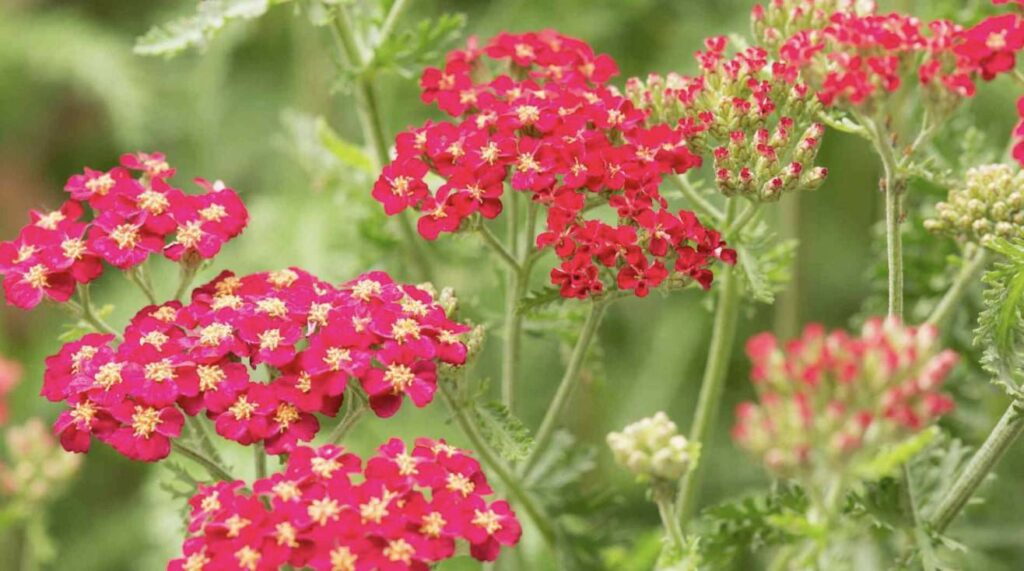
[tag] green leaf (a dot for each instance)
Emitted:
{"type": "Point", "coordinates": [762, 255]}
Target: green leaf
{"type": "Point", "coordinates": [196, 30]}
{"type": "Point", "coordinates": [536, 299]}
{"type": "Point", "coordinates": [349, 154]}
{"type": "Point", "coordinates": [1000, 326]}
{"type": "Point", "coordinates": [406, 52]}
{"type": "Point", "coordinates": [505, 433]}
{"type": "Point", "coordinates": [749, 524]}
{"type": "Point", "coordinates": [890, 458]}
{"type": "Point", "coordinates": [764, 263]}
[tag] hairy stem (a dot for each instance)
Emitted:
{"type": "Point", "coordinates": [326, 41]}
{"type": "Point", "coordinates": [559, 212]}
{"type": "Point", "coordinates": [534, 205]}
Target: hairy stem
{"type": "Point", "coordinates": [570, 379]}
{"type": "Point", "coordinates": [974, 262]}
{"type": "Point", "coordinates": [787, 305]}
{"type": "Point", "coordinates": [187, 275]}
{"type": "Point", "coordinates": [368, 111]}
{"type": "Point", "coordinates": [352, 416]}
{"type": "Point", "coordinates": [260, 460]}
{"type": "Point", "coordinates": [1005, 433]}
{"type": "Point", "coordinates": [699, 203]}
{"type": "Point", "coordinates": [496, 464]}
{"type": "Point", "coordinates": [89, 312]}
{"type": "Point", "coordinates": [212, 467]}
{"type": "Point", "coordinates": [662, 494]}
{"type": "Point", "coordinates": [498, 248]}
{"type": "Point", "coordinates": [723, 336]}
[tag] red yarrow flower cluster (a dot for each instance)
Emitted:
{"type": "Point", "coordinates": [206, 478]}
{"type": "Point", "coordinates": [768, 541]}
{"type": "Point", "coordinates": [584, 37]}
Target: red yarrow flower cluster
{"type": "Point", "coordinates": [551, 128]}
{"type": "Point", "coordinates": [135, 213]}
{"type": "Point", "coordinates": [310, 336]}
{"type": "Point", "coordinates": [406, 509]}
{"type": "Point", "coordinates": [829, 399]}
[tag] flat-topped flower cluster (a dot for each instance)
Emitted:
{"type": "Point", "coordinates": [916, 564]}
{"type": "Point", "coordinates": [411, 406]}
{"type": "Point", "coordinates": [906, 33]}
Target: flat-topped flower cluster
{"type": "Point", "coordinates": [135, 213]}
{"type": "Point", "coordinates": [310, 336]}
{"type": "Point", "coordinates": [406, 509]}
{"type": "Point", "coordinates": [534, 111]}
{"type": "Point", "coordinates": [827, 399]}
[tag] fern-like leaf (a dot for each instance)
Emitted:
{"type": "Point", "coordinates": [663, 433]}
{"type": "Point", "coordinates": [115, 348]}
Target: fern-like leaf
{"type": "Point", "coordinates": [193, 31]}
{"type": "Point", "coordinates": [1000, 327]}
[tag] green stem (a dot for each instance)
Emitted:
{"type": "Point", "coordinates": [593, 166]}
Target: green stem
{"type": "Point", "coordinates": [213, 468]}
{"type": "Point", "coordinates": [89, 313]}
{"type": "Point", "coordinates": [260, 461]}
{"type": "Point", "coordinates": [354, 414]}
{"type": "Point", "coordinates": [669, 519]}
{"type": "Point", "coordinates": [188, 274]}
{"type": "Point", "coordinates": [787, 305]}
{"type": "Point", "coordinates": [570, 379]}
{"type": "Point", "coordinates": [982, 463]}
{"type": "Point", "coordinates": [368, 111]}
{"type": "Point", "coordinates": [700, 204]}
{"type": "Point", "coordinates": [138, 276]}
{"type": "Point", "coordinates": [742, 220]}
{"type": "Point", "coordinates": [893, 188]}
{"type": "Point", "coordinates": [723, 336]}
{"type": "Point", "coordinates": [498, 248]}
{"type": "Point", "coordinates": [496, 464]}
{"type": "Point", "coordinates": [391, 20]}
{"type": "Point", "coordinates": [974, 263]}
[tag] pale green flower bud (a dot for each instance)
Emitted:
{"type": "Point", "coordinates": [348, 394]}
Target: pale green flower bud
{"type": "Point", "coordinates": [652, 448]}
{"type": "Point", "coordinates": [990, 202]}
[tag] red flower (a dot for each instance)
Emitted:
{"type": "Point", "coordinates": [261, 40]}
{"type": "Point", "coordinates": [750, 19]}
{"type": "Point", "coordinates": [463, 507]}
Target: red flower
{"type": "Point", "coordinates": [146, 431]}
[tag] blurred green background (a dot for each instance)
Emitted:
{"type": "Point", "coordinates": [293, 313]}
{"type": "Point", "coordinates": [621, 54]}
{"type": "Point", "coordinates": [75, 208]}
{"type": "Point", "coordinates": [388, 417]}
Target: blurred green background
{"type": "Point", "coordinates": [72, 94]}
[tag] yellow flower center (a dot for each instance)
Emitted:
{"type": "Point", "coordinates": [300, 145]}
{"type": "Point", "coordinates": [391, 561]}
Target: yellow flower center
{"type": "Point", "coordinates": [285, 415]}
{"type": "Point", "coordinates": [305, 382]}
{"type": "Point", "coordinates": [488, 520]}
{"type": "Point", "coordinates": [400, 185]}
{"type": "Point", "coordinates": [399, 550]}
{"type": "Point", "coordinates": [282, 278]}
{"type": "Point", "coordinates": [25, 252]}
{"type": "Point", "coordinates": [84, 412]}
{"type": "Point", "coordinates": [365, 289]}
{"type": "Point", "coordinates": [100, 185]}
{"type": "Point", "coordinates": [525, 163]}
{"type": "Point", "coordinates": [84, 354]}
{"type": "Point", "coordinates": [214, 333]}
{"type": "Point", "coordinates": [286, 534]}
{"type": "Point", "coordinates": [213, 213]}
{"type": "Point", "coordinates": [334, 357]}
{"type": "Point", "coordinates": [342, 559]}
{"type": "Point", "coordinates": [242, 409]}
{"type": "Point", "coordinates": [270, 339]}
{"type": "Point", "coordinates": [145, 419]}
{"type": "Point", "coordinates": [210, 377]}
{"type": "Point", "coordinates": [324, 467]}
{"type": "Point", "coordinates": [433, 524]}
{"type": "Point", "coordinates": [399, 376]}
{"type": "Point", "coordinates": [461, 484]}
{"type": "Point", "coordinates": [109, 375]}
{"type": "Point", "coordinates": [287, 491]}
{"type": "Point", "coordinates": [272, 306]}
{"type": "Point", "coordinates": [190, 234]}
{"type": "Point", "coordinates": [126, 236]}
{"type": "Point", "coordinates": [228, 285]}
{"type": "Point", "coordinates": [154, 202]}
{"type": "Point", "coordinates": [248, 558]}
{"type": "Point", "coordinates": [154, 338]}
{"type": "Point", "coordinates": [528, 114]}
{"type": "Point", "coordinates": [166, 314]}
{"type": "Point", "coordinates": [406, 464]}
{"type": "Point", "coordinates": [235, 525]}
{"type": "Point", "coordinates": [36, 276]}
{"type": "Point", "coordinates": [160, 371]}
{"type": "Point", "coordinates": [374, 510]}
{"type": "Point", "coordinates": [323, 510]}
{"type": "Point", "coordinates": [50, 220]}
{"type": "Point", "coordinates": [405, 327]}
{"type": "Point", "coordinates": [73, 248]}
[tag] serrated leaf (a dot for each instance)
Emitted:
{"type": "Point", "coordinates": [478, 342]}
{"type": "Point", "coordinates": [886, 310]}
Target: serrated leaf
{"type": "Point", "coordinates": [406, 52]}
{"type": "Point", "coordinates": [764, 263]}
{"type": "Point", "coordinates": [887, 461]}
{"type": "Point", "coordinates": [749, 523]}
{"type": "Point", "coordinates": [506, 433]}
{"type": "Point", "coordinates": [349, 154]}
{"type": "Point", "coordinates": [536, 299]}
{"type": "Point", "coordinates": [196, 30]}
{"type": "Point", "coordinates": [1000, 326]}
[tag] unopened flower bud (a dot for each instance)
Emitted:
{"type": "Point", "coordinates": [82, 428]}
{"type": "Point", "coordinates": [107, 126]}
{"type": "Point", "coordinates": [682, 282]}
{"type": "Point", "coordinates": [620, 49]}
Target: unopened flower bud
{"type": "Point", "coordinates": [652, 448]}
{"type": "Point", "coordinates": [989, 203]}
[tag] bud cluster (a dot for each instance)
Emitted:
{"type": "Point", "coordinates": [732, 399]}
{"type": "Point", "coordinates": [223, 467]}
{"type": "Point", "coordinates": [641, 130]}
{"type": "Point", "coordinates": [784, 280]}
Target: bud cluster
{"type": "Point", "coordinates": [989, 204]}
{"type": "Point", "coordinates": [829, 400]}
{"type": "Point", "coordinates": [10, 375]}
{"type": "Point", "coordinates": [652, 449]}
{"type": "Point", "coordinates": [754, 115]}
{"type": "Point", "coordinates": [36, 467]}
{"type": "Point", "coordinates": [777, 20]}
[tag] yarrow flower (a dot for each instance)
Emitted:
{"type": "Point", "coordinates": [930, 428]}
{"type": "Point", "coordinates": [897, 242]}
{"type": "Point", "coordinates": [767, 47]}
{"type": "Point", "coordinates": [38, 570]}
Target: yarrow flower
{"type": "Point", "coordinates": [652, 449]}
{"type": "Point", "coordinates": [755, 116]}
{"type": "Point", "coordinates": [35, 468]}
{"type": "Point", "coordinates": [312, 337]}
{"type": "Point", "coordinates": [135, 213]}
{"type": "Point", "coordinates": [10, 375]}
{"type": "Point", "coordinates": [827, 401]}
{"type": "Point", "coordinates": [405, 509]}
{"type": "Point", "coordinates": [990, 204]}
{"type": "Point", "coordinates": [551, 128]}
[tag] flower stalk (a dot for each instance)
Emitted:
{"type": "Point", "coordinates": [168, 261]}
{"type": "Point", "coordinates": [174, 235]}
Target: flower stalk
{"type": "Point", "coordinates": [1005, 433]}
{"type": "Point", "coordinates": [975, 261]}
{"type": "Point", "coordinates": [566, 387]}
{"type": "Point", "coordinates": [212, 467]}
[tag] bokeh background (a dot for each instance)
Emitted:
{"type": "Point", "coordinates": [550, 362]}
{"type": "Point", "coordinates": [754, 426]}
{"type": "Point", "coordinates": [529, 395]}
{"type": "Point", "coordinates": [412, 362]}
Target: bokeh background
{"type": "Point", "coordinates": [243, 110]}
